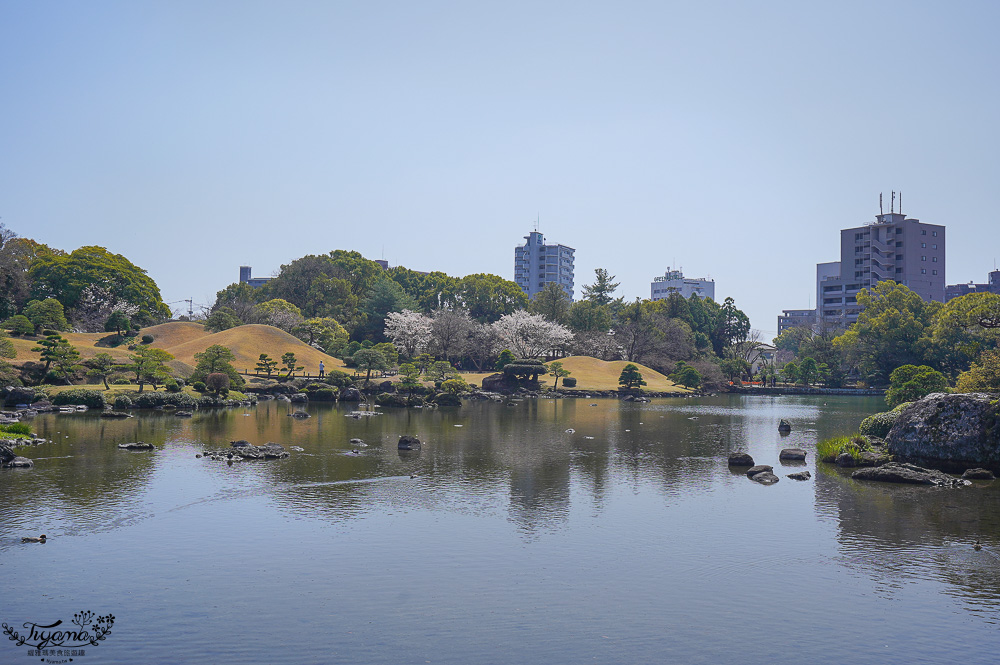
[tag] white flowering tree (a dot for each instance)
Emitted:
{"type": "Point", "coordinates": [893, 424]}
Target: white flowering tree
{"type": "Point", "coordinates": [409, 331]}
{"type": "Point", "coordinates": [530, 335]}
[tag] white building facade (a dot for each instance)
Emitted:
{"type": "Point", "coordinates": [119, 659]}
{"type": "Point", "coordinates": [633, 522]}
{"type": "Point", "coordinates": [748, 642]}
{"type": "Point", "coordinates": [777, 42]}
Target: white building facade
{"type": "Point", "coordinates": [673, 281]}
{"type": "Point", "coordinates": [536, 264]}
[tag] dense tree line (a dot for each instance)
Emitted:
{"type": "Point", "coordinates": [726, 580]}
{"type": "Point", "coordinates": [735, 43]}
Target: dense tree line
{"type": "Point", "coordinates": [934, 343]}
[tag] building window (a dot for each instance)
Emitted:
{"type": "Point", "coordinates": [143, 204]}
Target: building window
{"type": "Point", "coordinates": [933, 272]}
{"type": "Point", "coordinates": [934, 259]}
{"type": "Point", "coordinates": [923, 271]}
{"type": "Point", "coordinates": [934, 233]}
{"type": "Point", "coordinates": [923, 232]}
{"type": "Point", "coordinates": [923, 258]}
{"type": "Point", "coordinates": [858, 274]}
{"type": "Point", "coordinates": [899, 244]}
{"type": "Point", "coordinates": [923, 244]}
{"type": "Point", "coordinates": [899, 270]}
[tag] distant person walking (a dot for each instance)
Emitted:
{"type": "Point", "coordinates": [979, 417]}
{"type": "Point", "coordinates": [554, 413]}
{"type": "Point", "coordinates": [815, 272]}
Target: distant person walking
{"type": "Point", "coordinates": [322, 369]}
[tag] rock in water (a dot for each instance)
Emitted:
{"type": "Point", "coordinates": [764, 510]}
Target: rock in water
{"type": "Point", "coordinates": [894, 472]}
{"type": "Point", "coordinates": [978, 474]}
{"type": "Point", "coordinates": [800, 475]}
{"type": "Point", "coordinates": [407, 442]}
{"type": "Point", "coordinates": [949, 432]}
{"type": "Point", "coordinates": [138, 445]}
{"type": "Point", "coordinates": [792, 454]}
{"type": "Point", "coordinates": [19, 463]}
{"type": "Point", "coordinates": [760, 468]}
{"type": "Point", "coordinates": [784, 426]}
{"type": "Point", "coordinates": [764, 478]}
{"type": "Point", "coordinates": [740, 459]}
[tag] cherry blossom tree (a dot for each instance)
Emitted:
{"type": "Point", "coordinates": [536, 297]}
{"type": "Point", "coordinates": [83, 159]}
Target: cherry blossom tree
{"type": "Point", "coordinates": [530, 335]}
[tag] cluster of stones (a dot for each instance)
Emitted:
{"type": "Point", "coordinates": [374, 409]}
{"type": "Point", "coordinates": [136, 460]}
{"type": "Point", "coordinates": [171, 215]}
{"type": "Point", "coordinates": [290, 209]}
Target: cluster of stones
{"type": "Point", "coordinates": [244, 450]}
{"type": "Point", "coordinates": [764, 473]}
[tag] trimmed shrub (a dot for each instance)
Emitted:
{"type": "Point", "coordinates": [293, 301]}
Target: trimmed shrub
{"type": "Point", "coordinates": [91, 398]}
{"type": "Point", "coordinates": [198, 386]}
{"type": "Point", "coordinates": [19, 324]}
{"type": "Point", "coordinates": [338, 379]}
{"type": "Point", "coordinates": [123, 403]}
{"type": "Point", "coordinates": [879, 424]}
{"type": "Point", "coordinates": [569, 382]}
{"type": "Point", "coordinates": [147, 339]}
{"type": "Point", "coordinates": [152, 400]}
{"type": "Point", "coordinates": [172, 386]}
{"type": "Point", "coordinates": [324, 395]}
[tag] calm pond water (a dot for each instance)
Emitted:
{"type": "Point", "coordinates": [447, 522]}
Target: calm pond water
{"type": "Point", "coordinates": [626, 541]}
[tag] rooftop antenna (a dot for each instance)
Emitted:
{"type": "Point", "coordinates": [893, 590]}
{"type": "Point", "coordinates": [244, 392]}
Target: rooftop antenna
{"type": "Point", "coordinates": [880, 204]}
{"type": "Point", "coordinates": [892, 206]}
{"type": "Point", "coordinates": [901, 203]}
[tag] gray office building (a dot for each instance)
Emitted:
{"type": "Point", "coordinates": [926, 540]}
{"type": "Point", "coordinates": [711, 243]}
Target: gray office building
{"type": "Point", "coordinates": [536, 264]}
{"type": "Point", "coordinates": [893, 247]}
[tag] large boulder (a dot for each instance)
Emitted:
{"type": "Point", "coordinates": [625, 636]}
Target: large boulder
{"type": "Point", "coordinates": [350, 394]}
{"type": "Point", "coordinates": [740, 459]}
{"type": "Point", "coordinates": [794, 454]}
{"type": "Point", "coordinates": [495, 383]}
{"type": "Point", "coordinates": [949, 432]}
{"type": "Point", "coordinates": [6, 453]}
{"type": "Point", "coordinates": [894, 472]}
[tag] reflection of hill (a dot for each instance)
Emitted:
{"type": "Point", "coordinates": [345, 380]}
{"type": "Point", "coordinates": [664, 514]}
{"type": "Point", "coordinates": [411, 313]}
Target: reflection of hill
{"type": "Point", "coordinates": [899, 531]}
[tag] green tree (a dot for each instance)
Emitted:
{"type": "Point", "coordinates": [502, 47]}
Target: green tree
{"type": "Point", "coordinates": [790, 372]}
{"type": "Point", "coordinates": [19, 324]}
{"type": "Point", "coordinates": [455, 385]}
{"type": "Point", "coordinates": [809, 371]}
{"type": "Point", "coordinates": [552, 302]}
{"type": "Point", "coordinates": [51, 348]}
{"type": "Point", "coordinates": [46, 314]}
{"type": "Point", "coordinates": [101, 366]}
{"type": "Point", "coordinates": [16, 255]}
{"type": "Point", "coordinates": [370, 360]}
{"type": "Point", "coordinates": [386, 296]}
{"type": "Point", "coordinates": [91, 276]}
{"type": "Point", "coordinates": [223, 318]}
{"type": "Point", "coordinates": [685, 375]}
{"type": "Point", "coordinates": [118, 323]}
{"type": "Point", "coordinates": [488, 297]}
{"type": "Point", "coordinates": [601, 291]}
{"type": "Point", "coordinates": [239, 298]}
{"type": "Point", "coordinates": [506, 358]}
{"type": "Point", "coordinates": [279, 313]}
{"type": "Point", "coordinates": [410, 381]}
{"type": "Point", "coordinates": [733, 368]}
{"type": "Point", "coordinates": [289, 361]}
{"type": "Point", "coordinates": [630, 377]}
{"type": "Point", "coordinates": [266, 364]}
{"type": "Point", "coordinates": [557, 371]}
{"type": "Point", "coordinates": [887, 332]}
{"type": "Point", "coordinates": [389, 352]}
{"type": "Point", "coordinates": [217, 358]}
{"type": "Point", "coordinates": [150, 366]}
{"type": "Point", "coordinates": [909, 383]}
{"type": "Point", "coordinates": [218, 383]}
{"type": "Point", "coordinates": [441, 370]}
{"type": "Point", "coordinates": [982, 376]}
{"type": "Point", "coordinates": [961, 330]}
{"type": "Point", "coordinates": [587, 316]}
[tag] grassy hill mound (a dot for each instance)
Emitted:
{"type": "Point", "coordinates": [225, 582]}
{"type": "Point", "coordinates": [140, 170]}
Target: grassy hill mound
{"type": "Point", "coordinates": [594, 374]}
{"type": "Point", "coordinates": [248, 342]}
{"type": "Point", "coordinates": [183, 339]}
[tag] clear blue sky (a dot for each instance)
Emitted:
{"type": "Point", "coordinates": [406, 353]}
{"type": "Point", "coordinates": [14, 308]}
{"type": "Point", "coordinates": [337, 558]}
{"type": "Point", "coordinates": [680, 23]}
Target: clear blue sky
{"type": "Point", "coordinates": [733, 139]}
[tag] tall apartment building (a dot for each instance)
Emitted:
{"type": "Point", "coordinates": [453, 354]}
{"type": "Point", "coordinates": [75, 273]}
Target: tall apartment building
{"type": "Point", "coordinates": [893, 247]}
{"type": "Point", "coordinates": [673, 281]}
{"type": "Point", "coordinates": [536, 264]}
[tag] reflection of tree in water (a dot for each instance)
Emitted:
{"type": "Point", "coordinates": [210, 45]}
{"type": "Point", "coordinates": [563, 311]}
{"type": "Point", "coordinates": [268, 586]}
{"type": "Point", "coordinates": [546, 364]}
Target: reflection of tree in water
{"type": "Point", "coordinates": [81, 481]}
{"type": "Point", "coordinates": [898, 533]}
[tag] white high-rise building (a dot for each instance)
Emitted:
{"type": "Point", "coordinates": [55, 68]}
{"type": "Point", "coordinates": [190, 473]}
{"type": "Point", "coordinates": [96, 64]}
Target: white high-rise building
{"type": "Point", "coordinates": [536, 264]}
